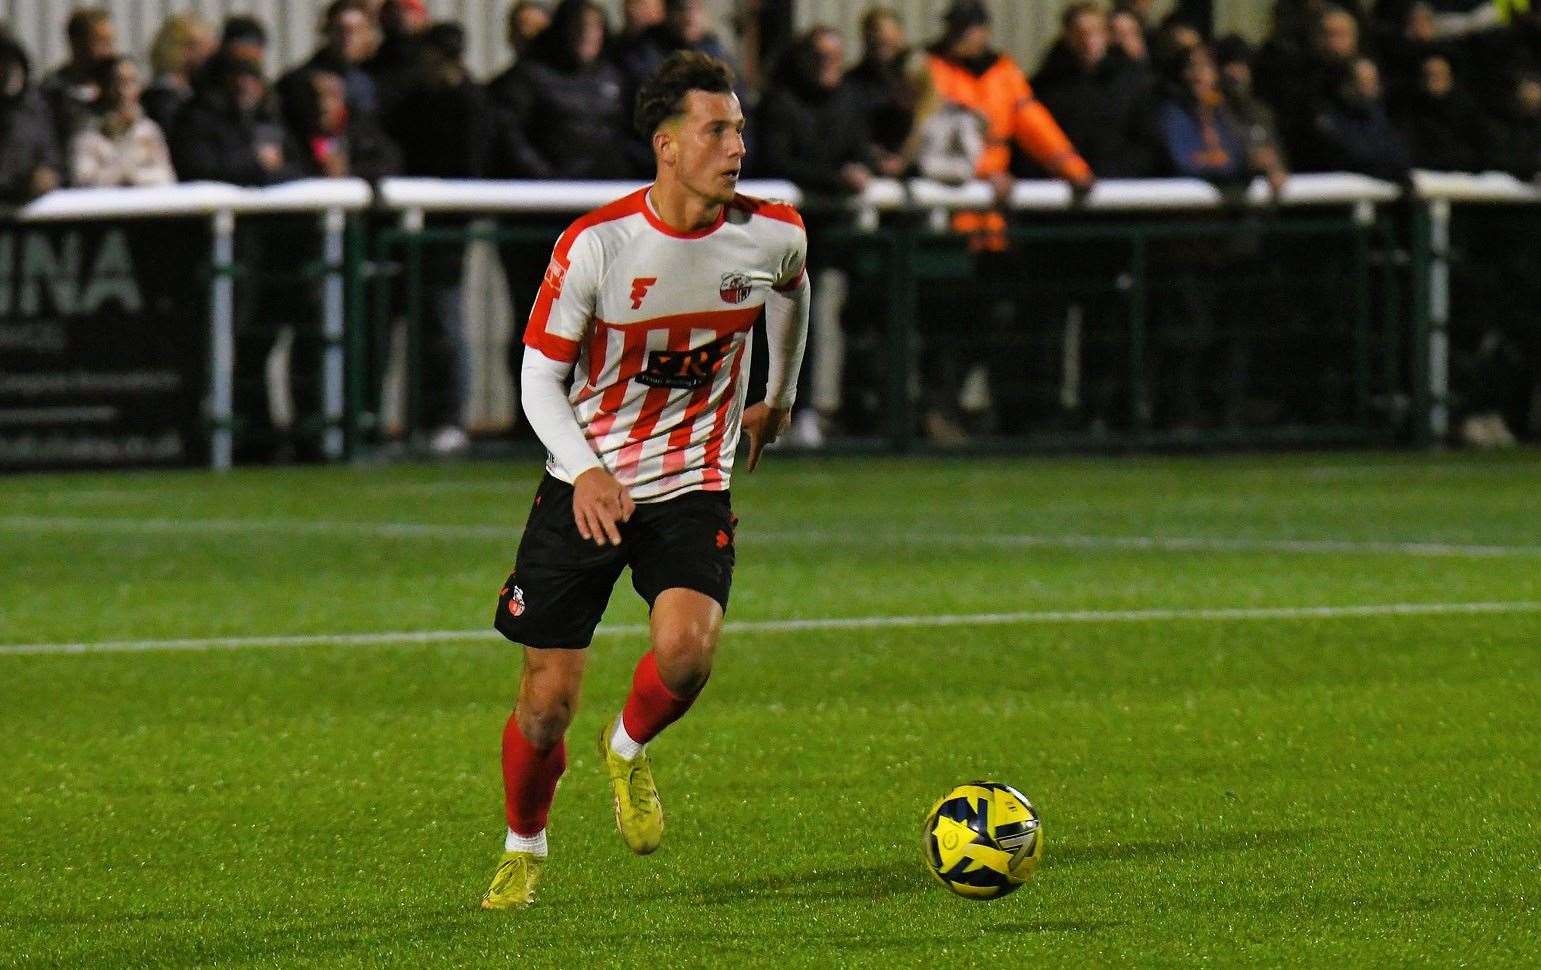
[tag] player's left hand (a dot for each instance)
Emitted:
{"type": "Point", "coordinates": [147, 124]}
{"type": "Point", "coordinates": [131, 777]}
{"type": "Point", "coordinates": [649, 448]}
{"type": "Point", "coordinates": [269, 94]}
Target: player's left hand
{"type": "Point", "coordinates": [763, 424]}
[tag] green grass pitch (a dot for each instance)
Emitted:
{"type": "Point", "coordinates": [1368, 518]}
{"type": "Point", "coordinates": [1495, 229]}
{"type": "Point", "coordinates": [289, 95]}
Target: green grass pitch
{"type": "Point", "coordinates": [1244, 753]}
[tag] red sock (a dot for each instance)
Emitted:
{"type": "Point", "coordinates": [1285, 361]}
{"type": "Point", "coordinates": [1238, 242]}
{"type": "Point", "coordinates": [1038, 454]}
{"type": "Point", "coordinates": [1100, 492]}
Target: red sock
{"type": "Point", "coordinates": [650, 707]}
{"type": "Point", "coordinates": [529, 779]}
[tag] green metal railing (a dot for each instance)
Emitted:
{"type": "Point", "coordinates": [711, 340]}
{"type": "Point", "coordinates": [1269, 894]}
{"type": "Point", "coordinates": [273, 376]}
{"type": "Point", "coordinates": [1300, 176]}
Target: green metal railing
{"type": "Point", "coordinates": [904, 260]}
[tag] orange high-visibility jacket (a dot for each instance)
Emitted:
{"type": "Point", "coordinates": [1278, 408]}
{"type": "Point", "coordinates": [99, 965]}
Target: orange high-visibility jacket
{"type": "Point", "coordinates": [1004, 98]}
{"type": "Point", "coordinates": [1002, 95]}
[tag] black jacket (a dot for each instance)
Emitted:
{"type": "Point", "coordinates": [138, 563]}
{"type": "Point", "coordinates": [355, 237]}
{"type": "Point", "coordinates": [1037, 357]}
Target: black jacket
{"type": "Point", "coordinates": [162, 101]}
{"type": "Point", "coordinates": [886, 99]}
{"type": "Point", "coordinates": [808, 134]}
{"type": "Point", "coordinates": [1448, 134]}
{"type": "Point", "coordinates": [1106, 112]}
{"type": "Point", "coordinates": [443, 131]}
{"type": "Point", "coordinates": [1357, 136]}
{"type": "Point", "coordinates": [214, 141]}
{"type": "Point", "coordinates": [26, 132]}
{"type": "Point", "coordinates": [1517, 145]}
{"type": "Point", "coordinates": [563, 122]}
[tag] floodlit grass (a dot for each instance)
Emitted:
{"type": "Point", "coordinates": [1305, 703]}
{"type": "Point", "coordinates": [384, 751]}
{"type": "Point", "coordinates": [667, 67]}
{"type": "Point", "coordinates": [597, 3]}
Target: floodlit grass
{"type": "Point", "coordinates": [1337, 789]}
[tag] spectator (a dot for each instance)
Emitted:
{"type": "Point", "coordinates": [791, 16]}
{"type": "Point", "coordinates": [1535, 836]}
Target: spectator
{"type": "Point", "coordinates": [1202, 140]}
{"type": "Point", "coordinates": [1335, 36]}
{"type": "Point", "coordinates": [181, 47]}
{"type": "Point", "coordinates": [1259, 132]}
{"type": "Point", "coordinates": [1300, 82]}
{"type": "Point", "coordinates": [1099, 98]}
{"type": "Point", "coordinates": [560, 109]}
{"type": "Point", "coordinates": [685, 27]}
{"type": "Point", "coordinates": [1352, 129]}
{"type": "Point", "coordinates": [336, 141]}
{"type": "Point", "coordinates": [120, 145]}
{"type": "Point", "coordinates": [1518, 136]}
{"type": "Point", "coordinates": [637, 17]}
{"type": "Point", "coordinates": [29, 162]}
{"type": "Point", "coordinates": [229, 132]}
{"type": "Point", "coordinates": [1175, 35]}
{"type": "Point", "coordinates": [350, 41]}
{"type": "Point", "coordinates": [396, 62]}
{"type": "Point", "coordinates": [443, 124]}
{"type": "Point", "coordinates": [1128, 36]}
{"type": "Point", "coordinates": [245, 39]}
{"type": "Point", "coordinates": [1283, 61]}
{"type": "Point", "coordinates": [815, 133]}
{"type": "Point", "coordinates": [1404, 46]}
{"type": "Point", "coordinates": [527, 20]}
{"type": "Point", "coordinates": [1140, 10]}
{"type": "Point", "coordinates": [444, 128]}
{"type": "Point", "coordinates": [815, 129]}
{"type": "Point", "coordinates": [1444, 128]}
{"type": "Point", "coordinates": [885, 88]}
{"type": "Point", "coordinates": [71, 90]}
{"type": "Point", "coordinates": [965, 69]}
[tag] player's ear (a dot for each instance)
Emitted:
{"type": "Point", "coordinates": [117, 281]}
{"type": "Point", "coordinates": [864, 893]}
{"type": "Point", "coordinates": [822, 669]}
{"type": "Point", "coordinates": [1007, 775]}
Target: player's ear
{"type": "Point", "coordinates": [663, 145]}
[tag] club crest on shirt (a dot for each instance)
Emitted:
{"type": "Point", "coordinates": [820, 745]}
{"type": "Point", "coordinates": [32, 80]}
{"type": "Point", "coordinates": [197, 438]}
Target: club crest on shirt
{"type": "Point", "coordinates": [735, 287]}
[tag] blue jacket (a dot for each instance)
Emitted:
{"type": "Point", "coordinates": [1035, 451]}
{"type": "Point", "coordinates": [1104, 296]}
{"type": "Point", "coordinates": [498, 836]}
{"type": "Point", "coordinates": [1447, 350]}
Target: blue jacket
{"type": "Point", "coordinates": [1217, 157]}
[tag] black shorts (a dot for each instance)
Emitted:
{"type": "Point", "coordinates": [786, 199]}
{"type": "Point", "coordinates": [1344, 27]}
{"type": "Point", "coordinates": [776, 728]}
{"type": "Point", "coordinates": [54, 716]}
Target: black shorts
{"type": "Point", "coordinates": [561, 581]}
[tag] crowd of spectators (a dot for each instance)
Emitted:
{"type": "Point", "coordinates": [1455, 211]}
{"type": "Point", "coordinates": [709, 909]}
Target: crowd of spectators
{"type": "Point", "coordinates": [1379, 88]}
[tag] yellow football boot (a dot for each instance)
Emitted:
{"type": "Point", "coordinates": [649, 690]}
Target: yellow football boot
{"type": "Point", "coordinates": [638, 812]}
{"type": "Point", "coordinates": [513, 885]}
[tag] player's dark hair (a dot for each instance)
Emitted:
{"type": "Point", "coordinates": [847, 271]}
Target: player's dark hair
{"type": "Point", "coordinates": [663, 95]}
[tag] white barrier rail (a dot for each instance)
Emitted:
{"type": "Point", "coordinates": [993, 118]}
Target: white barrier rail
{"type": "Point", "coordinates": [882, 195]}
{"type": "Point", "coordinates": [332, 200]}
{"type": "Point", "coordinates": [329, 199]}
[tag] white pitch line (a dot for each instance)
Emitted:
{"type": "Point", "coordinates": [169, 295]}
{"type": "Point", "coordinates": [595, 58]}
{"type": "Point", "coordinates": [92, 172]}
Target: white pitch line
{"type": "Point", "coordinates": [1020, 618]}
{"type": "Point", "coordinates": [388, 530]}
{"type": "Point", "coordinates": [509, 533]}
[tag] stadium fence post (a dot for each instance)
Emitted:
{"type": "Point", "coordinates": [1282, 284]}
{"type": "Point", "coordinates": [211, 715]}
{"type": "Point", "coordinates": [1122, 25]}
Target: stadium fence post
{"type": "Point", "coordinates": [901, 341]}
{"type": "Point", "coordinates": [1420, 349]}
{"type": "Point", "coordinates": [1364, 221]}
{"type": "Point", "coordinates": [1139, 282]}
{"type": "Point", "coordinates": [334, 222]}
{"type": "Point", "coordinates": [222, 343]}
{"type": "Point", "coordinates": [1438, 337]}
{"type": "Point", "coordinates": [353, 334]}
{"type": "Point", "coordinates": [412, 227]}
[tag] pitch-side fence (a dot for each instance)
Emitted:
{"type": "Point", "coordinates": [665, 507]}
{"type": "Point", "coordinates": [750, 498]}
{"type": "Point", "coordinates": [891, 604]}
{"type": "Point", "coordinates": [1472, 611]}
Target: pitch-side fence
{"type": "Point", "coordinates": [1128, 252]}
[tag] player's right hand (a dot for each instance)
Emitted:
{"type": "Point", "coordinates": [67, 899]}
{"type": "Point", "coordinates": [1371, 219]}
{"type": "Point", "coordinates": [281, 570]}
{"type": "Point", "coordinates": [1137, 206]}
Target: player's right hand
{"type": "Point", "coordinates": [600, 505]}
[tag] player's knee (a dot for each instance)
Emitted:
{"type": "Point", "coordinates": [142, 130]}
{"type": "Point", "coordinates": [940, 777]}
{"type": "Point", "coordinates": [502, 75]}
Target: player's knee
{"type": "Point", "coordinates": [546, 707]}
{"type": "Point", "coordinates": [544, 719]}
{"type": "Point", "coordinates": [685, 658]}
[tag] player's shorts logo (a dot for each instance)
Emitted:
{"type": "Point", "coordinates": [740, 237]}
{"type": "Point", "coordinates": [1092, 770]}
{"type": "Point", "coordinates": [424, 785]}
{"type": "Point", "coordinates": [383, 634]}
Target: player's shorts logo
{"type": "Point", "coordinates": [735, 287]}
{"type": "Point", "coordinates": [515, 601]}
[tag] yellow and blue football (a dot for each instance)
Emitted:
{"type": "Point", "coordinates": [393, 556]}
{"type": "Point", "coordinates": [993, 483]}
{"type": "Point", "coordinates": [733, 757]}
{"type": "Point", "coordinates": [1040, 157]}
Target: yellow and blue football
{"type": "Point", "coordinates": [982, 840]}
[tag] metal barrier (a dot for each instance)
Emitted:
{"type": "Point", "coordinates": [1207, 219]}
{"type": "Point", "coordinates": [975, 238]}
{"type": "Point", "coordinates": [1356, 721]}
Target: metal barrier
{"type": "Point", "coordinates": [330, 200]}
{"type": "Point", "coordinates": [1437, 194]}
{"type": "Point", "coordinates": [913, 217]}
{"type": "Point", "coordinates": [893, 223]}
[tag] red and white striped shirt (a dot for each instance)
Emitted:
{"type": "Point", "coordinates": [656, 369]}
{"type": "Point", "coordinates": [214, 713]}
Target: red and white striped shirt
{"type": "Point", "coordinates": [656, 324]}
